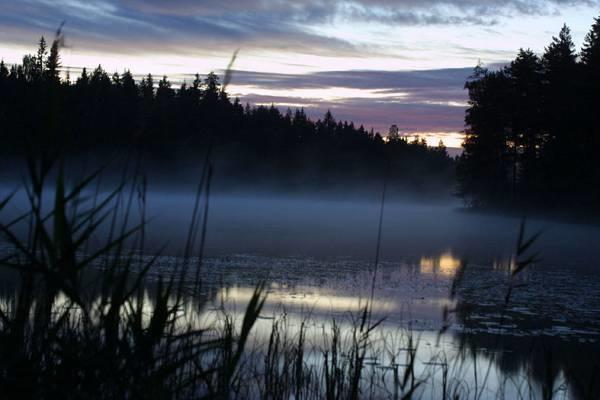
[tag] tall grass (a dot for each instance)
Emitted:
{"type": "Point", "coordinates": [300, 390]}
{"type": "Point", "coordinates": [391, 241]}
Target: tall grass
{"type": "Point", "coordinates": [65, 335]}
{"type": "Point", "coordinates": [89, 317]}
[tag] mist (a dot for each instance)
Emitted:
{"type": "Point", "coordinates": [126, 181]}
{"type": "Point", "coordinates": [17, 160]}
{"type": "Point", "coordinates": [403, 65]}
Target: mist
{"type": "Point", "coordinates": [324, 226]}
{"type": "Point", "coordinates": [275, 219]}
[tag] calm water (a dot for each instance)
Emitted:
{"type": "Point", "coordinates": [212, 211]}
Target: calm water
{"type": "Point", "coordinates": [316, 256]}
{"type": "Point", "coordinates": [553, 313]}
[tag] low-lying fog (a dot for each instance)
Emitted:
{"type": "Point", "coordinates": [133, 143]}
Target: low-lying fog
{"type": "Point", "coordinates": [315, 252]}
{"type": "Point", "coordinates": [320, 226]}
{"type": "Point", "coordinates": [307, 225]}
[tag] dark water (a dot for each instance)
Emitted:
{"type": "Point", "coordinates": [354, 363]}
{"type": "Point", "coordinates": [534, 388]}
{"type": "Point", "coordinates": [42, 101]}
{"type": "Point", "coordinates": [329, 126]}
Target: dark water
{"type": "Point", "coordinates": [317, 257]}
{"type": "Point", "coordinates": [335, 227]}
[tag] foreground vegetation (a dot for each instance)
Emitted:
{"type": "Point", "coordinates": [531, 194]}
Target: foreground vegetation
{"type": "Point", "coordinates": [89, 318]}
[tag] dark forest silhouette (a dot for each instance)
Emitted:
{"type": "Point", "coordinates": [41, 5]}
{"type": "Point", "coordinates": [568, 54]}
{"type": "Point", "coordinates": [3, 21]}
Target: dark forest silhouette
{"type": "Point", "coordinates": [99, 114]}
{"type": "Point", "coordinates": [533, 129]}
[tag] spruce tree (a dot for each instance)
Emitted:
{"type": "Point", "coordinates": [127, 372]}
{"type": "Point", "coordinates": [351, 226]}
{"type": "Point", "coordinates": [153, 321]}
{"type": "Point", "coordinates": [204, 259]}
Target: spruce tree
{"type": "Point", "coordinates": [3, 70]}
{"type": "Point", "coordinates": [147, 88]}
{"type": "Point", "coordinates": [526, 75]}
{"type": "Point", "coordinates": [560, 57]}
{"type": "Point", "coordinates": [83, 79]}
{"type": "Point", "coordinates": [130, 89]}
{"type": "Point", "coordinates": [590, 53]}
{"type": "Point", "coordinates": [41, 56]}
{"type": "Point", "coordinates": [53, 61]}
{"type": "Point", "coordinates": [560, 109]}
{"type": "Point", "coordinates": [590, 57]}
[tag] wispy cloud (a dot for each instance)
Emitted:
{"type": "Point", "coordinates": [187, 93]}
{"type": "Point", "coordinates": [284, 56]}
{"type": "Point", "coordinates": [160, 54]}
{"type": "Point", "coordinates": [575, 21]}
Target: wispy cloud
{"type": "Point", "coordinates": [416, 101]}
{"type": "Point", "coordinates": [264, 24]}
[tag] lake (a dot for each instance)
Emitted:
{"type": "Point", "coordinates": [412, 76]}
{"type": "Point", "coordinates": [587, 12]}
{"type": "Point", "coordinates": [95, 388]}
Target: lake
{"type": "Point", "coordinates": [317, 258]}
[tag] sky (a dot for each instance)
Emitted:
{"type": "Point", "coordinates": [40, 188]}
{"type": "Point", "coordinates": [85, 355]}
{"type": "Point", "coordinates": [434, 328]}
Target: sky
{"type": "Point", "coordinates": [374, 62]}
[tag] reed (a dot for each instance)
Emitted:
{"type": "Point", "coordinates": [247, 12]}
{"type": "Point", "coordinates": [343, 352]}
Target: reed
{"type": "Point", "coordinates": [91, 317]}
{"type": "Point", "coordinates": [82, 323]}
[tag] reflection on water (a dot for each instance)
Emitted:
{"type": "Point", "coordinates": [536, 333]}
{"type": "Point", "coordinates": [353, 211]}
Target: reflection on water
{"type": "Point", "coordinates": [547, 339]}
{"type": "Point", "coordinates": [445, 264]}
{"type": "Point", "coordinates": [568, 368]}
{"type": "Point", "coordinates": [523, 358]}
{"type": "Point", "coordinates": [307, 298]}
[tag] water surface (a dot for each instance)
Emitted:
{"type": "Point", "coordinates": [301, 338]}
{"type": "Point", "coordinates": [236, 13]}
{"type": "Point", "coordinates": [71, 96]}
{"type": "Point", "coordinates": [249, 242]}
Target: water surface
{"type": "Point", "coordinates": [317, 254]}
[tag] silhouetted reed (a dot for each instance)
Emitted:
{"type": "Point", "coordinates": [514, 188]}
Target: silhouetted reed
{"type": "Point", "coordinates": [90, 317]}
{"type": "Point", "coordinates": [64, 334]}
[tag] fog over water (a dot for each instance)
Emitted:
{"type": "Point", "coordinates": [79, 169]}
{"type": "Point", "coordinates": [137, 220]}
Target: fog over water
{"type": "Point", "coordinates": [280, 225]}
{"type": "Point", "coordinates": [329, 225]}
{"type": "Point", "coordinates": [316, 253]}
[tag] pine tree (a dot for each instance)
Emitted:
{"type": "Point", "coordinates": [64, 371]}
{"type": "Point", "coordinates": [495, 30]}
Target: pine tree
{"type": "Point", "coordinates": [53, 61]}
{"type": "Point", "coordinates": [14, 72]}
{"type": "Point", "coordinates": [3, 70]}
{"type": "Point", "coordinates": [194, 90]}
{"type": "Point", "coordinates": [147, 87]}
{"type": "Point", "coordinates": [393, 134]}
{"type": "Point", "coordinates": [211, 88]}
{"type": "Point", "coordinates": [560, 58]}
{"type": "Point", "coordinates": [441, 147]}
{"type": "Point", "coordinates": [560, 104]}
{"type": "Point", "coordinates": [116, 80]}
{"type": "Point", "coordinates": [164, 85]}
{"type": "Point", "coordinates": [83, 79]}
{"type": "Point", "coordinates": [329, 123]}
{"type": "Point", "coordinates": [164, 93]}
{"type": "Point", "coordinates": [128, 84]}
{"type": "Point", "coordinates": [590, 104]}
{"type": "Point", "coordinates": [100, 78]}
{"type": "Point", "coordinates": [526, 75]}
{"type": "Point", "coordinates": [29, 70]}
{"type": "Point", "coordinates": [486, 170]}
{"type": "Point", "coordinates": [41, 56]}
{"type": "Point", "coordinates": [590, 53]}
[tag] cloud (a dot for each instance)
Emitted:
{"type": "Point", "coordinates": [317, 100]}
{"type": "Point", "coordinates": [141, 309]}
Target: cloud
{"type": "Point", "coordinates": [410, 117]}
{"type": "Point", "coordinates": [361, 79]}
{"type": "Point", "coordinates": [442, 86]}
{"type": "Point", "coordinates": [133, 25]}
{"type": "Point", "coordinates": [416, 101]}
{"type": "Point", "coordinates": [400, 10]}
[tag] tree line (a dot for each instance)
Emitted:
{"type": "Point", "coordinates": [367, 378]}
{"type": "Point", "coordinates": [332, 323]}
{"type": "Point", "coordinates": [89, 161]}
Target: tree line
{"type": "Point", "coordinates": [533, 129]}
{"type": "Point", "coordinates": [98, 113]}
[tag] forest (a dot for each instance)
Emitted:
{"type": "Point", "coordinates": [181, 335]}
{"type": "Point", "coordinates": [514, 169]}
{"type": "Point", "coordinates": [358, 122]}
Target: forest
{"type": "Point", "coordinates": [44, 112]}
{"type": "Point", "coordinates": [533, 130]}
{"type": "Point", "coordinates": [118, 281]}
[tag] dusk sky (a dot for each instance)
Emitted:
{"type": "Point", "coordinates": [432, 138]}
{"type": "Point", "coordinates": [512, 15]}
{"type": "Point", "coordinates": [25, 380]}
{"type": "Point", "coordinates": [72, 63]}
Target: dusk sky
{"type": "Point", "coordinates": [377, 62]}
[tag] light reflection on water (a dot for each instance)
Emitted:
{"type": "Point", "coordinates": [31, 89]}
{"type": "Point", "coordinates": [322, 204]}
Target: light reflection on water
{"type": "Point", "coordinates": [309, 299]}
{"type": "Point", "coordinates": [557, 304]}
{"type": "Point", "coordinates": [411, 296]}
{"type": "Point", "coordinates": [445, 264]}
